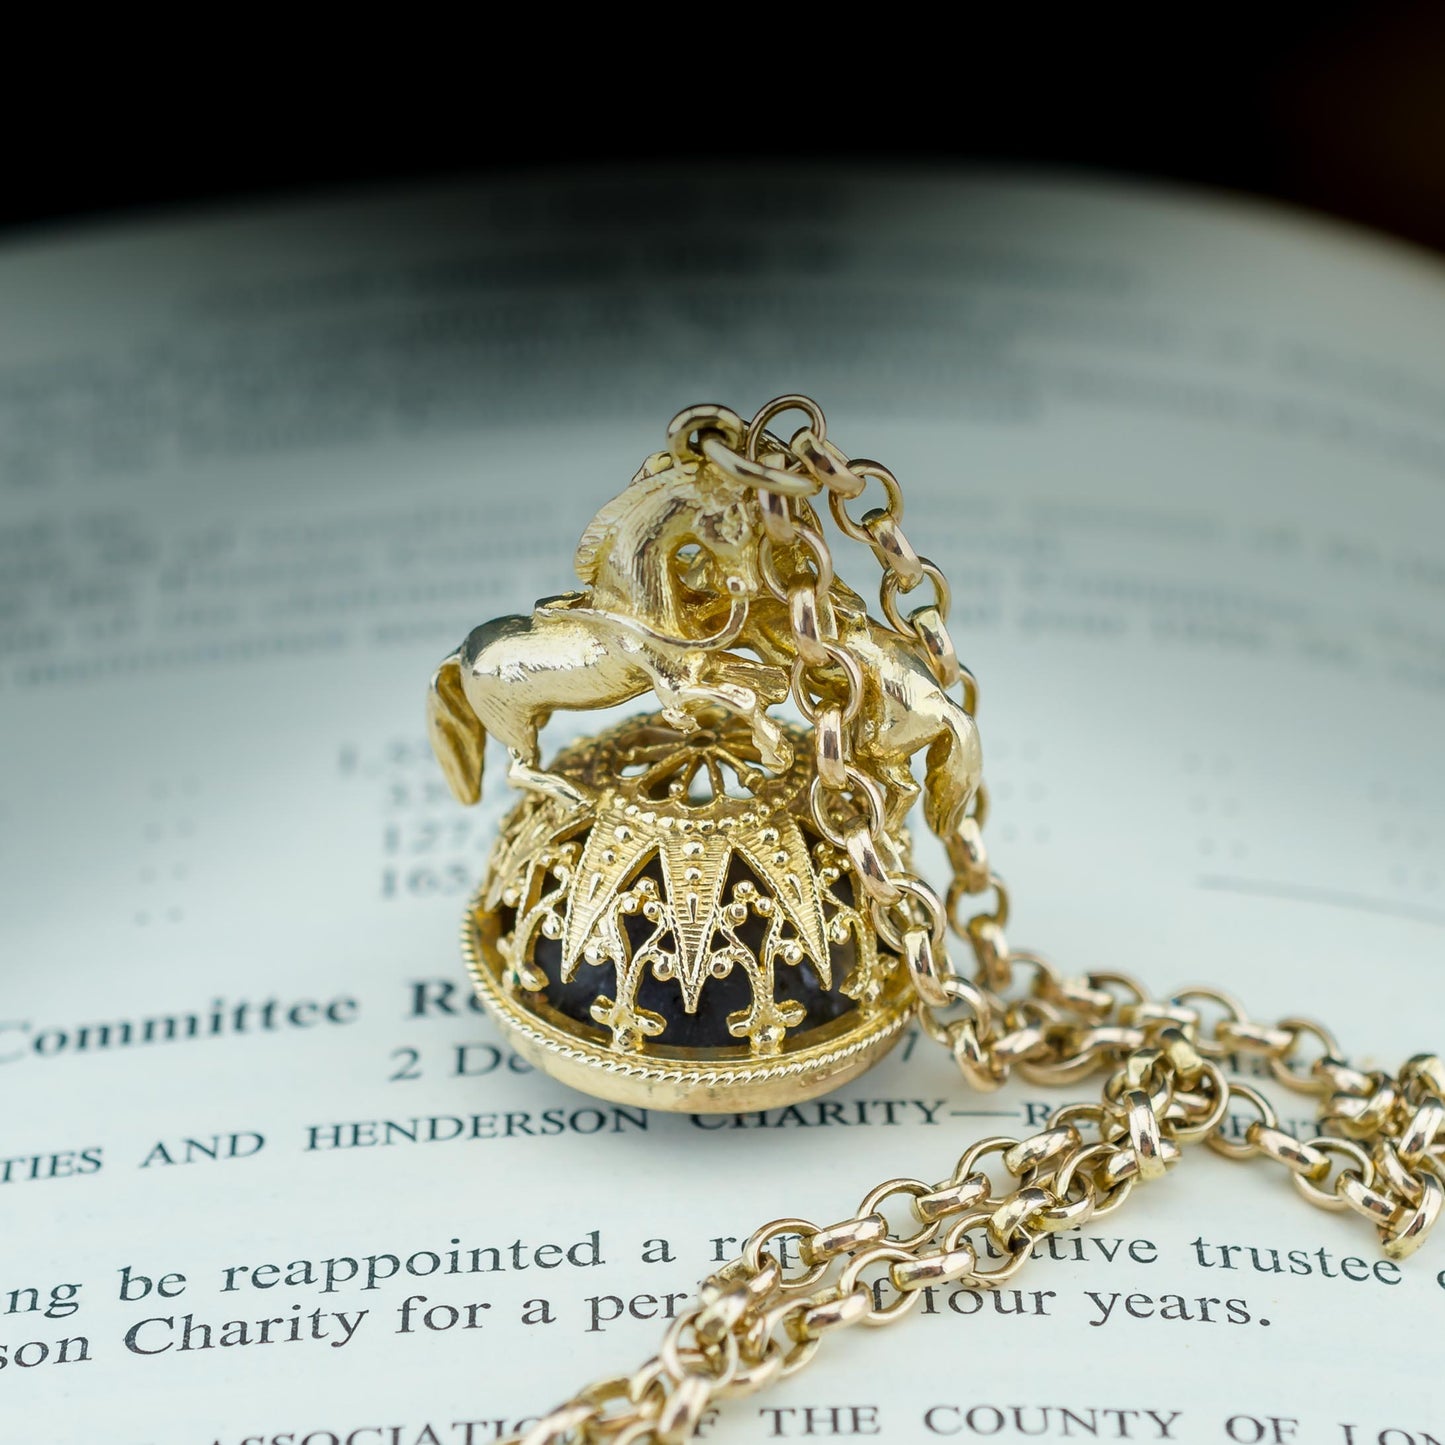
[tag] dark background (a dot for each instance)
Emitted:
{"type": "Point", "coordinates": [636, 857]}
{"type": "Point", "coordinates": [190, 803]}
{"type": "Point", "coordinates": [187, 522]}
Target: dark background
{"type": "Point", "coordinates": [1338, 107]}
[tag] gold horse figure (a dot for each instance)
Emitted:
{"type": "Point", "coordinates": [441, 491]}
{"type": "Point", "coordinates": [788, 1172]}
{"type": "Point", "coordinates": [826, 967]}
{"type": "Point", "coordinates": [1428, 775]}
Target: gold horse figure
{"type": "Point", "coordinates": [902, 710]}
{"type": "Point", "coordinates": [676, 546]}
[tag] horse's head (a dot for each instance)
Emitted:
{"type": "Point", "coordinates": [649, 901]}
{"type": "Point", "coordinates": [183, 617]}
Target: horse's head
{"type": "Point", "coordinates": [700, 519]}
{"type": "Point", "coordinates": [726, 529]}
{"type": "Point", "coordinates": [680, 544]}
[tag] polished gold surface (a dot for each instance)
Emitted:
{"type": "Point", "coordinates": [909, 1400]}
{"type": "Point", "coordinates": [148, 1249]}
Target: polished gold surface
{"type": "Point", "coordinates": [709, 585]}
{"type": "Point", "coordinates": [680, 539]}
{"type": "Point", "coordinates": [756, 575]}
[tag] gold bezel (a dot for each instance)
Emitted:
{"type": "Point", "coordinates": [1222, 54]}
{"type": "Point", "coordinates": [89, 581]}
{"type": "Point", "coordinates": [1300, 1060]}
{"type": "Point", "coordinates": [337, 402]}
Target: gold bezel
{"type": "Point", "coordinates": [686, 1081]}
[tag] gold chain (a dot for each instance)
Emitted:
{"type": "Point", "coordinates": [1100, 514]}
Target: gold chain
{"type": "Point", "coordinates": [1380, 1149]}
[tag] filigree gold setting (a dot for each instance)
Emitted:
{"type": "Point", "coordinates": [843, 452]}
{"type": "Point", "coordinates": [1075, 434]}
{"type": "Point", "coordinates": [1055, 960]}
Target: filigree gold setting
{"type": "Point", "coordinates": [688, 863]}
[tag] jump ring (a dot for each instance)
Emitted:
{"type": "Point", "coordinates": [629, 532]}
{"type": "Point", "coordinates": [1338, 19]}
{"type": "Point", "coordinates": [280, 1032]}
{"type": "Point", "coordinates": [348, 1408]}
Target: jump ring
{"type": "Point", "coordinates": [852, 670]}
{"type": "Point", "coordinates": [1284, 1071]}
{"type": "Point", "coordinates": [1267, 1117]}
{"type": "Point", "coordinates": [759, 1240]}
{"type": "Point", "coordinates": [822, 560]}
{"type": "Point", "coordinates": [777, 407]}
{"type": "Point", "coordinates": [1341, 1148]}
{"type": "Point", "coordinates": [893, 584]}
{"type": "Point", "coordinates": [931, 903]}
{"type": "Point", "coordinates": [877, 472]}
{"type": "Point", "coordinates": [686, 431]}
{"type": "Point", "coordinates": [756, 474]}
{"type": "Point", "coordinates": [859, 782]}
{"type": "Point", "coordinates": [878, 1254]}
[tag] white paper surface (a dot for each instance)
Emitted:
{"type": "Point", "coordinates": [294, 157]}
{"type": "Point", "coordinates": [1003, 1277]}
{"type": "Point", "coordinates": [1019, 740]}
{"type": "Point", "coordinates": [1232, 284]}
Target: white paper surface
{"type": "Point", "coordinates": [1185, 464]}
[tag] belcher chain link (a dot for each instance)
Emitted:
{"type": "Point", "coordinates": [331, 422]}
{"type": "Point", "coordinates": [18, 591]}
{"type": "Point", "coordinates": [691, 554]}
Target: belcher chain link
{"type": "Point", "coordinates": [1380, 1150]}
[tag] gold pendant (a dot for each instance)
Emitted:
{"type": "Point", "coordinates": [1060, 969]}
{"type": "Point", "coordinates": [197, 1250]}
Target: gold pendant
{"type": "Point", "coordinates": [704, 908]}
{"type": "Point", "coordinates": [685, 938]}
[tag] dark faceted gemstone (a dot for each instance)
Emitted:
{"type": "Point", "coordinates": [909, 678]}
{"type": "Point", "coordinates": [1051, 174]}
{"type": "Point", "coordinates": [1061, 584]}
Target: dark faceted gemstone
{"type": "Point", "coordinates": [707, 1028]}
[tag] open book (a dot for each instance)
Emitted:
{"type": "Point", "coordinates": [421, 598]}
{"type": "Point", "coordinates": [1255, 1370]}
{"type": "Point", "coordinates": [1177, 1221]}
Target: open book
{"type": "Point", "coordinates": [269, 1176]}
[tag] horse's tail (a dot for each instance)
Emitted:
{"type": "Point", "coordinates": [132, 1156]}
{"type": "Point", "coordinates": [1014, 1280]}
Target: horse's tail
{"type": "Point", "coordinates": [457, 736]}
{"type": "Point", "coordinates": [955, 766]}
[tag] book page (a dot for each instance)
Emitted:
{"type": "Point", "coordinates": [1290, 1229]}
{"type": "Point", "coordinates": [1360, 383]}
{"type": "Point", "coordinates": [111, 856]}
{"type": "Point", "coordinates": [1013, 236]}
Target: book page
{"type": "Point", "coordinates": [270, 1175]}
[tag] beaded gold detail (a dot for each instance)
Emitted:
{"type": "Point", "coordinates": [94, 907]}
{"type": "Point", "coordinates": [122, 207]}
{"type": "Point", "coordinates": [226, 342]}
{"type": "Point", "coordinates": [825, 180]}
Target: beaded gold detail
{"type": "Point", "coordinates": [686, 912]}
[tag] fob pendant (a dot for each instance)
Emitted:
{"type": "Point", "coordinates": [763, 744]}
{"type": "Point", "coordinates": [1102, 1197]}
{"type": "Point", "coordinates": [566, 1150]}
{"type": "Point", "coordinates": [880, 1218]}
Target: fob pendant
{"type": "Point", "coordinates": [684, 937]}
{"type": "Point", "coordinates": [703, 907]}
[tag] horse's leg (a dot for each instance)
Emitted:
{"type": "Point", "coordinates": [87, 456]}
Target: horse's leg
{"type": "Point", "coordinates": [678, 685]}
{"type": "Point", "coordinates": [676, 715]}
{"type": "Point", "coordinates": [510, 670]}
{"type": "Point", "coordinates": [526, 771]}
{"type": "Point", "coordinates": [955, 765]}
{"type": "Point", "coordinates": [772, 742]}
{"type": "Point", "coordinates": [752, 688]}
{"type": "Point", "coordinates": [529, 776]}
{"type": "Point", "coordinates": [773, 745]}
{"type": "Point", "coordinates": [771, 683]}
{"type": "Point", "coordinates": [902, 789]}
{"type": "Point", "coordinates": [457, 736]}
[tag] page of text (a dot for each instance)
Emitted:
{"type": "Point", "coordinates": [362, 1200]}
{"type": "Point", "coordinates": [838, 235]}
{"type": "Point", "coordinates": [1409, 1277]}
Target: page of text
{"type": "Point", "coordinates": [269, 1175]}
